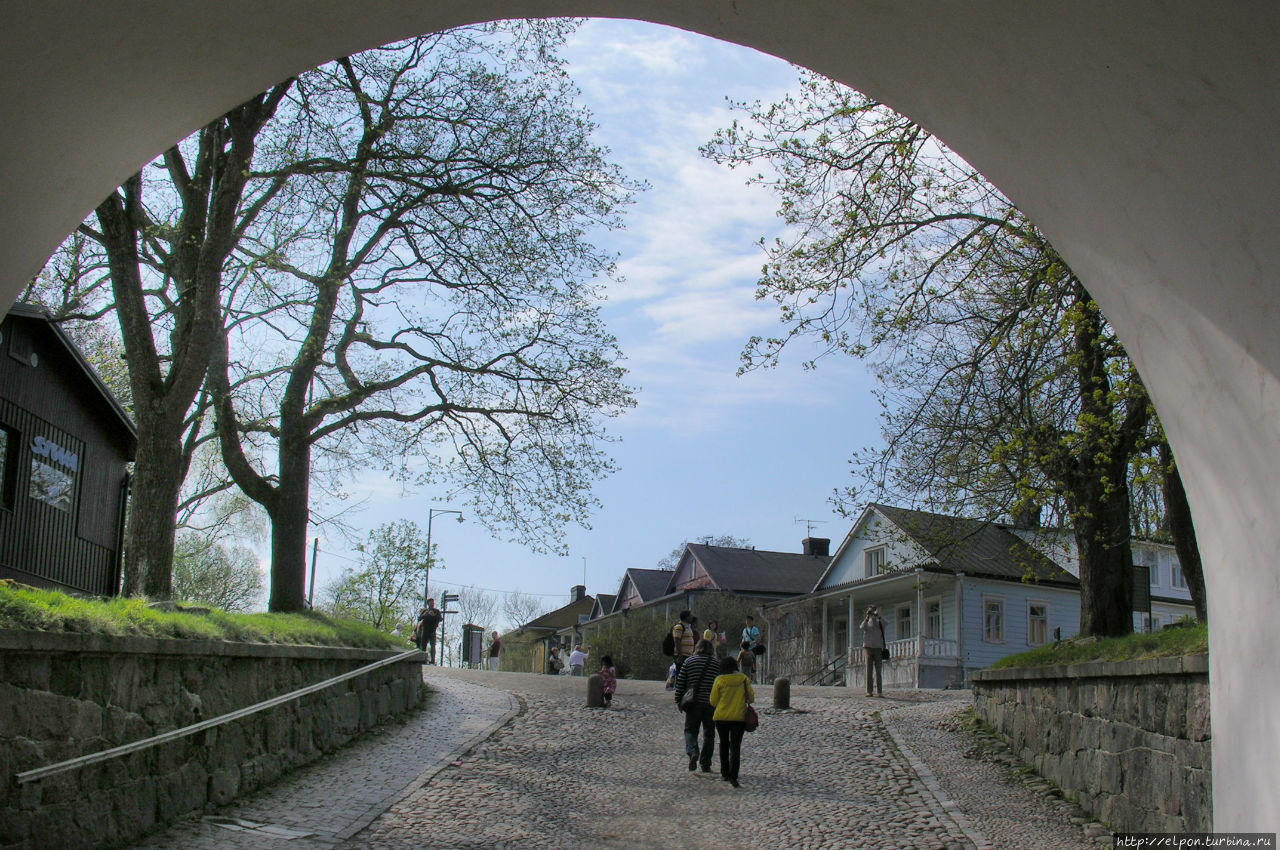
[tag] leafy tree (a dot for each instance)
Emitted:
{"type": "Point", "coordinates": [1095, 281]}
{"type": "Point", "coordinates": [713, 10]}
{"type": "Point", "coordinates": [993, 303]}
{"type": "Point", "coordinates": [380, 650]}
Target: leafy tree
{"type": "Point", "coordinates": [418, 292]}
{"type": "Point", "coordinates": [383, 592]}
{"type": "Point", "coordinates": [217, 575]}
{"type": "Point", "coordinates": [672, 559]}
{"type": "Point", "coordinates": [1005, 390]}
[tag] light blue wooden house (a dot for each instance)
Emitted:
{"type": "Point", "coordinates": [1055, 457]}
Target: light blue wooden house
{"type": "Point", "coordinates": [956, 595]}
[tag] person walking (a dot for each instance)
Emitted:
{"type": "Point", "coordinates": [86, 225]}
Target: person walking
{"type": "Point", "coordinates": [608, 679]}
{"type": "Point", "coordinates": [698, 674]}
{"type": "Point", "coordinates": [495, 648]}
{"type": "Point", "coordinates": [731, 693]}
{"type": "Point", "coordinates": [751, 632]}
{"type": "Point", "coordinates": [577, 658]}
{"type": "Point", "coordinates": [873, 648]}
{"type": "Point", "coordinates": [424, 632]}
{"type": "Point", "coordinates": [684, 632]}
{"type": "Point", "coordinates": [747, 662]}
{"type": "Point", "coordinates": [714, 635]}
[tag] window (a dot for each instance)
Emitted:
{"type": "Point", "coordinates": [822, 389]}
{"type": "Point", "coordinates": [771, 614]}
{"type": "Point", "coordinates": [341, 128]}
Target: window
{"type": "Point", "coordinates": [993, 620]}
{"type": "Point", "coordinates": [874, 560]}
{"type": "Point", "coordinates": [1148, 559]}
{"type": "Point", "coordinates": [933, 619]}
{"type": "Point", "coordinates": [905, 628]}
{"type": "Point", "coordinates": [1037, 623]}
{"type": "Point", "coordinates": [1176, 578]}
{"type": "Point", "coordinates": [8, 465]}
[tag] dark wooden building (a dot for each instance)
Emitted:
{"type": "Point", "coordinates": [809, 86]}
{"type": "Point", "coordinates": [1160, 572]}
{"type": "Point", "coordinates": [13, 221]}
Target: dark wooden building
{"type": "Point", "coordinates": [65, 443]}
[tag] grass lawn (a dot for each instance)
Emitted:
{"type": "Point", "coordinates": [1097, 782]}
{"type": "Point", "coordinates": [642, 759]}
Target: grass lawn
{"type": "Point", "coordinates": [23, 607]}
{"type": "Point", "coordinates": [1190, 639]}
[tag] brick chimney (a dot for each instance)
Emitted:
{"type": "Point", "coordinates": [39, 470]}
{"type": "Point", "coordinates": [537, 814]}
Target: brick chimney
{"type": "Point", "coordinates": [577, 593]}
{"type": "Point", "coordinates": [818, 547]}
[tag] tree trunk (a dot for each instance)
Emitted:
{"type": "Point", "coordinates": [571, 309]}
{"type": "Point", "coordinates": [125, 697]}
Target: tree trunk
{"type": "Point", "coordinates": [289, 517]}
{"type": "Point", "coordinates": [1106, 560]}
{"type": "Point", "coordinates": [1177, 511]}
{"type": "Point", "coordinates": [156, 482]}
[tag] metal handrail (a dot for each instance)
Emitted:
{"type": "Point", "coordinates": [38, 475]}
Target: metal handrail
{"type": "Point", "coordinates": [831, 668]}
{"type": "Point", "coordinates": [173, 735]}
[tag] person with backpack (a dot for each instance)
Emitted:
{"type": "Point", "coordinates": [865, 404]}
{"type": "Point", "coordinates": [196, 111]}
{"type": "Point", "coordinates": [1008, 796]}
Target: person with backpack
{"type": "Point", "coordinates": [684, 638]}
{"type": "Point", "coordinates": [695, 678]}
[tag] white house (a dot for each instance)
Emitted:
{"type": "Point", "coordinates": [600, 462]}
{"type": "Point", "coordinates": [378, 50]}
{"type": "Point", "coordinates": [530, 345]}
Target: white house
{"type": "Point", "coordinates": [956, 595]}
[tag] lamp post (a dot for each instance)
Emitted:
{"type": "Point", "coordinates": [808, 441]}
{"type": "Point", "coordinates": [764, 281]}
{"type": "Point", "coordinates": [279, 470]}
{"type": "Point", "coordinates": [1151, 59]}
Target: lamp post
{"type": "Point", "coordinates": [426, 579]}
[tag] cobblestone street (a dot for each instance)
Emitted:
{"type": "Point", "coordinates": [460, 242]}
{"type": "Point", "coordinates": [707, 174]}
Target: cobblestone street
{"type": "Point", "coordinates": [514, 760]}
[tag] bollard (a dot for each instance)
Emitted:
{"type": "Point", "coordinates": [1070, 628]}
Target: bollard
{"type": "Point", "coordinates": [782, 693]}
{"type": "Point", "coordinates": [595, 691]}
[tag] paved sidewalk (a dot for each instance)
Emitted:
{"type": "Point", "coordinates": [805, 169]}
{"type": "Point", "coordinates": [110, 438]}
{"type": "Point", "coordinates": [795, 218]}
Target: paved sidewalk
{"type": "Point", "coordinates": [541, 770]}
{"type": "Point", "coordinates": [327, 802]}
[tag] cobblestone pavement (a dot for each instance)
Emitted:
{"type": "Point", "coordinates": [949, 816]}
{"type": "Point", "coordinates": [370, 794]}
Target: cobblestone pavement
{"type": "Point", "coordinates": [502, 760]}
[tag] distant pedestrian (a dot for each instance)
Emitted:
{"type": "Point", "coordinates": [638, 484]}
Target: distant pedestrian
{"type": "Point", "coordinates": [698, 674]}
{"type": "Point", "coordinates": [495, 648]}
{"type": "Point", "coordinates": [671, 677]}
{"type": "Point", "coordinates": [713, 634]}
{"type": "Point", "coordinates": [424, 631]}
{"type": "Point", "coordinates": [873, 647]}
{"type": "Point", "coordinates": [577, 658]}
{"type": "Point", "coordinates": [608, 678]}
{"type": "Point", "coordinates": [751, 632]}
{"type": "Point", "coordinates": [685, 634]}
{"type": "Point", "coordinates": [747, 661]}
{"type": "Point", "coordinates": [730, 694]}
{"type": "Point", "coordinates": [554, 662]}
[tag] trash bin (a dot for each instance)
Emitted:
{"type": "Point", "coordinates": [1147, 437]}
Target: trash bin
{"type": "Point", "coordinates": [472, 644]}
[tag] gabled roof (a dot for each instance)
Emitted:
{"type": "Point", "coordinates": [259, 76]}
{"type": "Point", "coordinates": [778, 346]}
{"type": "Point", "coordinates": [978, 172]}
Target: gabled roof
{"type": "Point", "coordinates": [650, 584]}
{"type": "Point", "coordinates": [975, 547]}
{"type": "Point", "coordinates": [40, 316]}
{"type": "Point", "coordinates": [757, 571]}
{"type": "Point", "coordinates": [604, 604]}
{"type": "Point", "coordinates": [562, 617]}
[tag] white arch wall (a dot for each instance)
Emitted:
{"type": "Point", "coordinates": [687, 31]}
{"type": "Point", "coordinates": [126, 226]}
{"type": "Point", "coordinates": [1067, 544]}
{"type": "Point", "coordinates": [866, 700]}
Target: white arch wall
{"type": "Point", "coordinates": [1142, 137]}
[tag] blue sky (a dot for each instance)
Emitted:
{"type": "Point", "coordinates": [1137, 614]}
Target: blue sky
{"type": "Point", "coordinates": [705, 452]}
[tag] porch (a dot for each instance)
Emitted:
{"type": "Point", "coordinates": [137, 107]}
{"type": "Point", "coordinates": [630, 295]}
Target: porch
{"type": "Point", "coordinates": [914, 662]}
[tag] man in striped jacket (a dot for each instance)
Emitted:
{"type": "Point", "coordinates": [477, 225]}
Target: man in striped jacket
{"type": "Point", "coordinates": [698, 674]}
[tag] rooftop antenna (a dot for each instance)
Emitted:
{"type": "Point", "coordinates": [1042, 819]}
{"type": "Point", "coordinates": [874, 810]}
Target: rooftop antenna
{"type": "Point", "coordinates": [809, 524]}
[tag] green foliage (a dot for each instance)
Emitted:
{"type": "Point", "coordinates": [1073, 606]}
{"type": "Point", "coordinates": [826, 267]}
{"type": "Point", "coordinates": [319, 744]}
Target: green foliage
{"type": "Point", "coordinates": [209, 573]}
{"type": "Point", "coordinates": [34, 609]}
{"type": "Point", "coordinates": [1183, 639]}
{"type": "Point", "coordinates": [383, 592]}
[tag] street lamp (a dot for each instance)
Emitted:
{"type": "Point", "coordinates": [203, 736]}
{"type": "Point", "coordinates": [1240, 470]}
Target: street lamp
{"type": "Point", "coordinates": [426, 579]}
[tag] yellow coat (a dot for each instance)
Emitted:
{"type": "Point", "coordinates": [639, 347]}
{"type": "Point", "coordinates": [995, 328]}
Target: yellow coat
{"type": "Point", "coordinates": [730, 694]}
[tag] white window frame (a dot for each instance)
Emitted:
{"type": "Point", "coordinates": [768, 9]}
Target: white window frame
{"type": "Point", "coordinates": [1031, 619]}
{"type": "Point", "coordinates": [1177, 580]}
{"type": "Point", "coordinates": [898, 619]}
{"type": "Point", "coordinates": [929, 630]}
{"type": "Point", "coordinates": [987, 636]}
{"type": "Point", "coordinates": [1150, 559]}
{"type": "Point", "coordinates": [874, 560]}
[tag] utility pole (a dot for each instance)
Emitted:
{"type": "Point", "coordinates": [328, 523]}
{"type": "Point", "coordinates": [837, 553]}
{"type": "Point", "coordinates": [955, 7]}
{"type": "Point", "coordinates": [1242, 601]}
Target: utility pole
{"type": "Point", "coordinates": [426, 579]}
{"type": "Point", "coordinates": [311, 593]}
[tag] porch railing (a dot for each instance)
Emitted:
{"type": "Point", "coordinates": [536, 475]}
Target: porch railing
{"type": "Point", "coordinates": [913, 647]}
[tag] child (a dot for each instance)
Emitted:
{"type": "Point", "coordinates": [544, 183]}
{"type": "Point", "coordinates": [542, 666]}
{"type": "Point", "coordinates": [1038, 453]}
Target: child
{"type": "Point", "coordinates": [747, 661]}
{"type": "Point", "coordinates": [609, 678]}
{"type": "Point", "coordinates": [671, 677]}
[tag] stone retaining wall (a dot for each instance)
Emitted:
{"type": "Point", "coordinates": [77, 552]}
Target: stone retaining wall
{"type": "Point", "coordinates": [68, 695]}
{"type": "Point", "coordinates": [1130, 740]}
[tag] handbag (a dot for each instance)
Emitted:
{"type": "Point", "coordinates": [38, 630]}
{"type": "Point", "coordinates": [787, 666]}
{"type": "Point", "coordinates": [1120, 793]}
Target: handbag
{"type": "Point", "coordinates": [752, 719]}
{"type": "Point", "coordinates": [690, 696]}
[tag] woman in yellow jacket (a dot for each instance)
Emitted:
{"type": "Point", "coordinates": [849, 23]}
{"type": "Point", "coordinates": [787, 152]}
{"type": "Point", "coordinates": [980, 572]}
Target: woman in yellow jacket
{"type": "Point", "coordinates": [730, 694]}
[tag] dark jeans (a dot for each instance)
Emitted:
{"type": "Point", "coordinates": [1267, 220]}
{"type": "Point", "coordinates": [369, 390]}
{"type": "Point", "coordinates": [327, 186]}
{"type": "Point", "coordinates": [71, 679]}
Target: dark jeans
{"type": "Point", "coordinates": [730, 732]}
{"type": "Point", "coordinates": [699, 715]}
{"type": "Point", "coordinates": [875, 666]}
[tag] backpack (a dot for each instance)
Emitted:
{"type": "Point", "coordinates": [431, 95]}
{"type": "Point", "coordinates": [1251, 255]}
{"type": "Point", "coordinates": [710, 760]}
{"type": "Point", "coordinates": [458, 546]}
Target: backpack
{"type": "Point", "coordinates": [669, 642]}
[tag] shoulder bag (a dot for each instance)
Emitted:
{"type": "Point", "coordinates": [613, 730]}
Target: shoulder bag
{"type": "Point", "coordinates": [752, 719]}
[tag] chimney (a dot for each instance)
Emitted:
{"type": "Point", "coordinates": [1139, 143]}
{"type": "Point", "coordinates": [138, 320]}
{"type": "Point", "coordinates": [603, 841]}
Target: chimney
{"type": "Point", "coordinates": [577, 593]}
{"type": "Point", "coordinates": [818, 547]}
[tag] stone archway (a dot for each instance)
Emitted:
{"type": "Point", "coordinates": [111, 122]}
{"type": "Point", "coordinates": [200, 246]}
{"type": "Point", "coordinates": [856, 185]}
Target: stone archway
{"type": "Point", "coordinates": [1143, 139]}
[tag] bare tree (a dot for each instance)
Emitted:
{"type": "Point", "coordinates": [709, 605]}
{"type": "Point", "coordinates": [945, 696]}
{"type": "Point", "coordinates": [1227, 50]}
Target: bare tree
{"type": "Point", "coordinates": [520, 608]}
